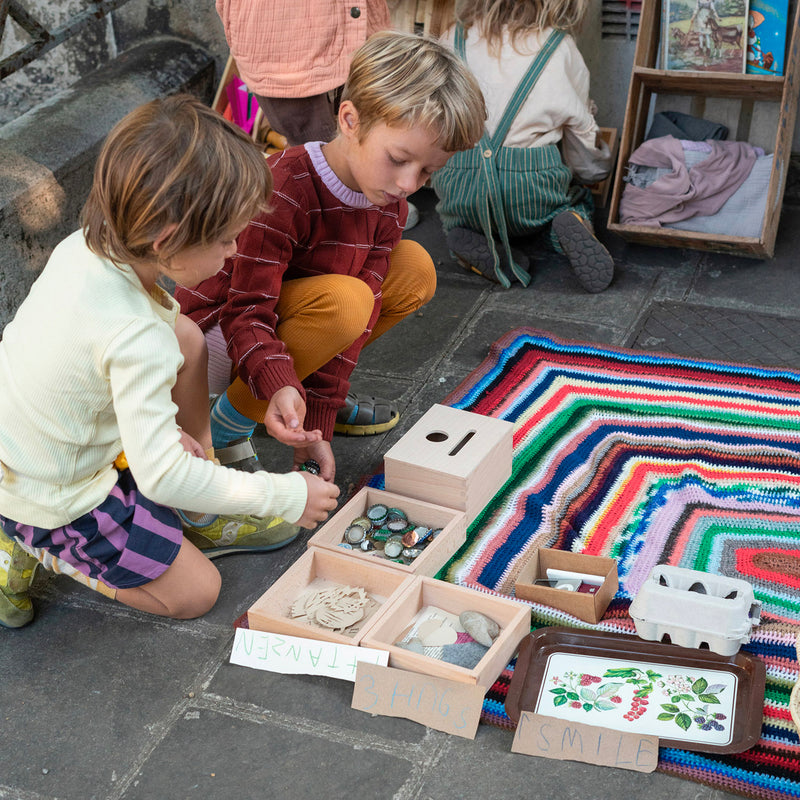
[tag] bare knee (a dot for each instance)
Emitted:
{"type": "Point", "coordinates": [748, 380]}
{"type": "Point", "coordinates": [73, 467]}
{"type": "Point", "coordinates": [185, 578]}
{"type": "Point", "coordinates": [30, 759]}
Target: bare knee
{"type": "Point", "coordinates": [188, 588]}
{"type": "Point", "coordinates": [191, 340]}
{"type": "Point", "coordinates": [202, 598]}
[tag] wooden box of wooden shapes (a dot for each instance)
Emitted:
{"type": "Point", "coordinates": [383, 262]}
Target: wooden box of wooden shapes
{"type": "Point", "coordinates": [402, 615]}
{"type": "Point", "coordinates": [327, 596]}
{"type": "Point", "coordinates": [448, 521]}
{"type": "Point", "coordinates": [455, 458]}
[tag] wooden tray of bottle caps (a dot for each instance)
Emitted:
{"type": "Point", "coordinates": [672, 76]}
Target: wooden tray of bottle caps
{"type": "Point", "coordinates": [514, 619]}
{"type": "Point", "coordinates": [451, 521]}
{"type": "Point", "coordinates": [318, 568]}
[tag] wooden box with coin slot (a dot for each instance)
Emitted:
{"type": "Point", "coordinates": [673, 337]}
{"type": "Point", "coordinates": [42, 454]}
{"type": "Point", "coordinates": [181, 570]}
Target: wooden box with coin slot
{"type": "Point", "coordinates": [450, 524]}
{"type": "Point", "coordinates": [455, 458]}
{"type": "Point", "coordinates": [399, 614]}
{"type": "Point", "coordinates": [285, 608]}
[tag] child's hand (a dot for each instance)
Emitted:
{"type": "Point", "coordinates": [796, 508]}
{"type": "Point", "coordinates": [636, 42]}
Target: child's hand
{"type": "Point", "coordinates": [285, 416]}
{"type": "Point", "coordinates": [191, 445]}
{"type": "Point", "coordinates": [322, 453]}
{"type": "Point", "coordinates": [321, 500]}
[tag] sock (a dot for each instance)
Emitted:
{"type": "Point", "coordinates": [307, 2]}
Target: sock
{"type": "Point", "coordinates": [227, 423]}
{"type": "Point", "coordinates": [203, 522]}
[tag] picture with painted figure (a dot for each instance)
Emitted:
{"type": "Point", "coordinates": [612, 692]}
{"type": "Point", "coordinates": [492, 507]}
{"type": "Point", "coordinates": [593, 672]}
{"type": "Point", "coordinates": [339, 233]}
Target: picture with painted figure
{"type": "Point", "coordinates": [705, 35]}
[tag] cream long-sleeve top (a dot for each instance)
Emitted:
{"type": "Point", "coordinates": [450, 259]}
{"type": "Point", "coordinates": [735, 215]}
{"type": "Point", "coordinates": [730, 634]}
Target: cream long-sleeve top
{"type": "Point", "coordinates": [298, 48]}
{"type": "Point", "coordinates": [558, 100]}
{"type": "Point", "coordinates": [87, 368]}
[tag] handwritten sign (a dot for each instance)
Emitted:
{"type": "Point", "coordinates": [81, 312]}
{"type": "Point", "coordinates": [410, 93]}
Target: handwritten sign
{"type": "Point", "coordinates": [549, 737]}
{"type": "Point", "coordinates": [445, 705]}
{"type": "Point", "coordinates": [297, 656]}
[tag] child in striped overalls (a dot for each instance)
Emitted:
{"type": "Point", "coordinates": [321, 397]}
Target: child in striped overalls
{"type": "Point", "coordinates": [536, 87]}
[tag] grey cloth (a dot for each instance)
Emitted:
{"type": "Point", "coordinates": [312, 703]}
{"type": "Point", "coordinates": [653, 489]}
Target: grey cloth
{"type": "Point", "coordinates": [683, 192]}
{"type": "Point", "coordinates": [685, 126]}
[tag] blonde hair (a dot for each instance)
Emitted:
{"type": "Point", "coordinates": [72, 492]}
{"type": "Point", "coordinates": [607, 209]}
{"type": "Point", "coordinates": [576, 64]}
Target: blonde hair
{"type": "Point", "coordinates": [172, 162]}
{"type": "Point", "coordinates": [519, 17]}
{"type": "Point", "coordinates": [402, 79]}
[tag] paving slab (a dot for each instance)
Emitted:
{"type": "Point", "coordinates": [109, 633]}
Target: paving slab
{"type": "Point", "coordinates": [108, 703]}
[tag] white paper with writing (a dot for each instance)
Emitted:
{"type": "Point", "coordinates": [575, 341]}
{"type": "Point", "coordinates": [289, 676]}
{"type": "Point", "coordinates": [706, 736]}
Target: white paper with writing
{"type": "Point", "coordinates": [293, 655]}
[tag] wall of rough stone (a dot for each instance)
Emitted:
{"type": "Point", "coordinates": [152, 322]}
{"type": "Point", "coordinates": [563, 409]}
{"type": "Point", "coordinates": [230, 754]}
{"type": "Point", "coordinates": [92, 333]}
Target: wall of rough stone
{"type": "Point", "coordinates": [101, 42]}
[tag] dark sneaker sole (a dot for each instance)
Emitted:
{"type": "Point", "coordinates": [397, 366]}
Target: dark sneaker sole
{"type": "Point", "coordinates": [471, 250]}
{"type": "Point", "coordinates": [590, 261]}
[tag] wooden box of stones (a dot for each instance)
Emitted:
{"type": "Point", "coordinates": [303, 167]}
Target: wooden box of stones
{"type": "Point", "coordinates": [449, 631]}
{"type": "Point", "coordinates": [412, 536]}
{"type": "Point", "coordinates": [326, 595]}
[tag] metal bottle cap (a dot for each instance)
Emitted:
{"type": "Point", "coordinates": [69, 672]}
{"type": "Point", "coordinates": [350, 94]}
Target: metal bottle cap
{"type": "Point", "coordinates": [393, 548]}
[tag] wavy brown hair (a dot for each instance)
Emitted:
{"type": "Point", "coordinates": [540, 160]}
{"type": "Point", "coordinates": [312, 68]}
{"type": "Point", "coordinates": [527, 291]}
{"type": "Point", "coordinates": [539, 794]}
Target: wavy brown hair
{"type": "Point", "coordinates": [172, 162]}
{"type": "Point", "coordinates": [519, 17]}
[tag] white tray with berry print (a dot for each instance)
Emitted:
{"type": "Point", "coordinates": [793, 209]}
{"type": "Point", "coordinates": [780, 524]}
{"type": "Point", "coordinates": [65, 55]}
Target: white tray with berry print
{"type": "Point", "coordinates": [691, 699]}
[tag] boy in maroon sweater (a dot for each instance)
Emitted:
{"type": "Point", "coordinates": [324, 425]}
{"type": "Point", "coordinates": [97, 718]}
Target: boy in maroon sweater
{"type": "Point", "coordinates": [324, 272]}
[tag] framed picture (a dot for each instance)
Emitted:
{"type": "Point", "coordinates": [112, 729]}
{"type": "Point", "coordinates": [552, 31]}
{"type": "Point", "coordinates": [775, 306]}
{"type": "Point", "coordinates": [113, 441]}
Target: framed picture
{"type": "Point", "coordinates": [705, 35]}
{"type": "Point", "coordinates": [766, 36]}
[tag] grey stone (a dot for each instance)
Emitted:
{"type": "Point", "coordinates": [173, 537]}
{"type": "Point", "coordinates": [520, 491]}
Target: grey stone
{"type": "Point", "coordinates": [482, 629]}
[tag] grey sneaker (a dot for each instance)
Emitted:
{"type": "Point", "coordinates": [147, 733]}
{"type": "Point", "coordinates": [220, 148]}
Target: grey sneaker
{"type": "Point", "coordinates": [231, 534]}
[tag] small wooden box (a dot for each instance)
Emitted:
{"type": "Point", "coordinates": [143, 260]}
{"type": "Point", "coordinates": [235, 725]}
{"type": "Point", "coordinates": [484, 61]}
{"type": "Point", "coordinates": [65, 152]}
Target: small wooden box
{"type": "Point", "coordinates": [455, 458]}
{"type": "Point", "coordinates": [272, 611]}
{"type": "Point", "coordinates": [513, 618]}
{"type": "Point", "coordinates": [588, 607]}
{"type": "Point", "coordinates": [432, 558]}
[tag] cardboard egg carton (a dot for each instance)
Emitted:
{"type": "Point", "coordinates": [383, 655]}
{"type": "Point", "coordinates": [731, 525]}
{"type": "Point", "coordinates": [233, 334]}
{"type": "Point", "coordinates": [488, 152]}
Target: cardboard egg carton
{"type": "Point", "coordinates": [695, 609]}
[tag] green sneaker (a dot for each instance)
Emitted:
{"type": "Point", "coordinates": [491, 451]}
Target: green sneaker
{"type": "Point", "coordinates": [17, 569]}
{"type": "Point", "coordinates": [230, 534]}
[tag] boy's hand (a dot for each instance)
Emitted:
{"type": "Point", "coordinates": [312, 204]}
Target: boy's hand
{"type": "Point", "coordinates": [285, 416]}
{"type": "Point", "coordinates": [322, 453]}
{"type": "Point", "coordinates": [321, 500]}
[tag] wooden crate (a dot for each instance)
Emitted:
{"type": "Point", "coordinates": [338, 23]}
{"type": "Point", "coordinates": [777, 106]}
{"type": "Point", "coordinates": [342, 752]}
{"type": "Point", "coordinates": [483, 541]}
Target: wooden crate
{"type": "Point", "coordinates": [320, 568]}
{"type": "Point", "coordinates": [455, 458]}
{"type": "Point", "coordinates": [513, 618]}
{"type": "Point", "coordinates": [773, 97]}
{"type": "Point", "coordinates": [434, 556]}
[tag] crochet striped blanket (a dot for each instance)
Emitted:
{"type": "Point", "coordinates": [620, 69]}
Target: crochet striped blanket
{"type": "Point", "coordinates": [650, 459]}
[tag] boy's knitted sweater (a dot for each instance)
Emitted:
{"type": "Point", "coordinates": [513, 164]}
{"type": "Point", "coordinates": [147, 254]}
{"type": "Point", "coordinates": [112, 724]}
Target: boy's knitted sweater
{"type": "Point", "coordinates": [317, 226]}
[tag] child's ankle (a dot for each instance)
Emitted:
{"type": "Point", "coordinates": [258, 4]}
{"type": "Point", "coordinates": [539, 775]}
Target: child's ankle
{"type": "Point", "coordinates": [228, 424]}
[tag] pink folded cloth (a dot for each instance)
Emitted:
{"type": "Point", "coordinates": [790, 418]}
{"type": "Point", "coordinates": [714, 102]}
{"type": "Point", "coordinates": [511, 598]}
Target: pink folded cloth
{"type": "Point", "coordinates": [683, 192]}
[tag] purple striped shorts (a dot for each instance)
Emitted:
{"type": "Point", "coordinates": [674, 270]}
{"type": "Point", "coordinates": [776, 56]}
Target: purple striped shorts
{"type": "Point", "coordinates": [125, 542]}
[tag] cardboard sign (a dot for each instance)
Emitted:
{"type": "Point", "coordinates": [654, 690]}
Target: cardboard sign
{"type": "Point", "coordinates": [549, 737]}
{"type": "Point", "coordinates": [297, 656]}
{"type": "Point", "coordinates": [447, 706]}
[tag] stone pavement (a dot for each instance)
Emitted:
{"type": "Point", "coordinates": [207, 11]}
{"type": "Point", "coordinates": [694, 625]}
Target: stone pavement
{"type": "Point", "coordinates": [101, 702]}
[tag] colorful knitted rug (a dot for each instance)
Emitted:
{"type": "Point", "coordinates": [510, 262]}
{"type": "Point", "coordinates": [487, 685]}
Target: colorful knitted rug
{"type": "Point", "coordinates": [650, 459]}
